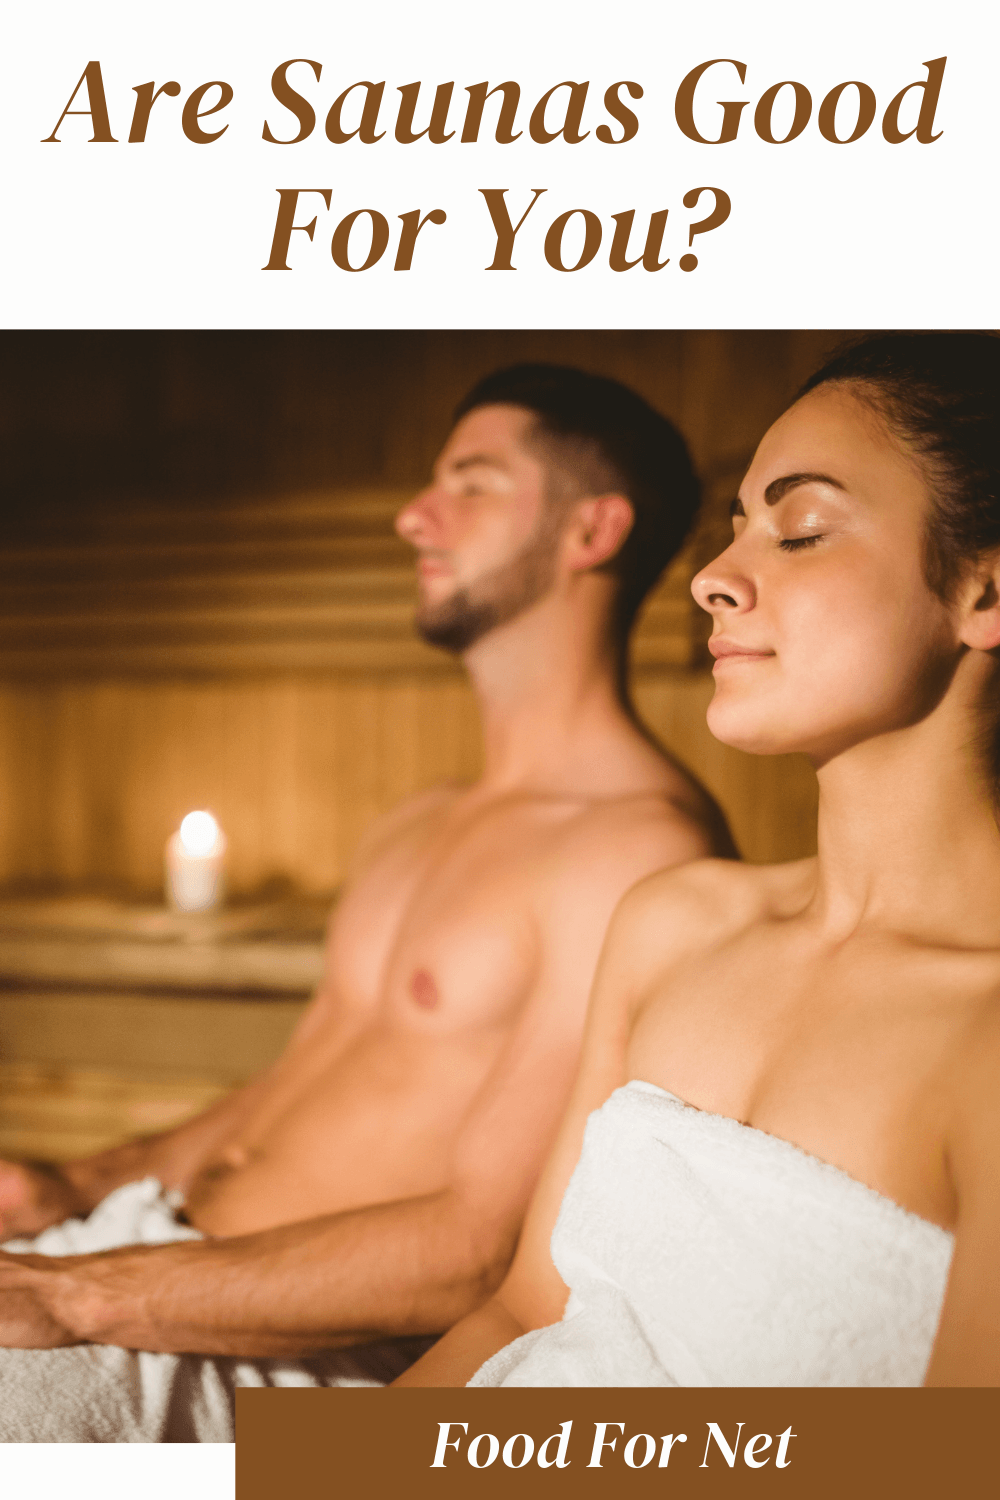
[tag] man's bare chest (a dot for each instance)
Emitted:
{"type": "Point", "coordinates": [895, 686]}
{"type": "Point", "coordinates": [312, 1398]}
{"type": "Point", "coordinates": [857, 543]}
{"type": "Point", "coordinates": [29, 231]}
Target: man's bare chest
{"type": "Point", "coordinates": [441, 931]}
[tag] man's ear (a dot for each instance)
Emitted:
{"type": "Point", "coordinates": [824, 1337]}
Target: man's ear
{"type": "Point", "coordinates": [980, 606]}
{"type": "Point", "coordinates": [598, 530]}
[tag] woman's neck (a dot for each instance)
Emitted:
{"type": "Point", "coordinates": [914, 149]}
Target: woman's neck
{"type": "Point", "coordinates": [908, 835]}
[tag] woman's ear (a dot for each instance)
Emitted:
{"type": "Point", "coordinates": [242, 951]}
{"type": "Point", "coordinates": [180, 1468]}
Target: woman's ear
{"type": "Point", "coordinates": [980, 605]}
{"type": "Point", "coordinates": [597, 531]}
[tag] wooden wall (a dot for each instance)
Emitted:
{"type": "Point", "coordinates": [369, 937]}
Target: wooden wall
{"type": "Point", "coordinates": [203, 602]}
{"type": "Point", "coordinates": [97, 774]}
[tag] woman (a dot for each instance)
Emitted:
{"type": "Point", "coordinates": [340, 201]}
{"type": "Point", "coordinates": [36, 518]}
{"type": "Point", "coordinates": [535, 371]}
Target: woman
{"type": "Point", "coordinates": [796, 1179]}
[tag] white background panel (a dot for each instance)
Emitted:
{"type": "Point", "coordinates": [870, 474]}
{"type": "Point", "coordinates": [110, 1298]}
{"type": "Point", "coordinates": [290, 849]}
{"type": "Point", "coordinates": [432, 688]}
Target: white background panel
{"type": "Point", "coordinates": [171, 233]}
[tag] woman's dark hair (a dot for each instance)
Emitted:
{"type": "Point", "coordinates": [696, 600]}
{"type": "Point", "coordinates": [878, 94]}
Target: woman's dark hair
{"type": "Point", "coordinates": [605, 437]}
{"type": "Point", "coordinates": [940, 393]}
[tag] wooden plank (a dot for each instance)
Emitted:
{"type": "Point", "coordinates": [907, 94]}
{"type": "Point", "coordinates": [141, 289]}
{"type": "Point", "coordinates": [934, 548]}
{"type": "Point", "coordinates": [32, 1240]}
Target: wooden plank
{"type": "Point", "coordinates": [54, 1113]}
{"type": "Point", "coordinates": [231, 968]}
{"type": "Point", "coordinates": [159, 1037]}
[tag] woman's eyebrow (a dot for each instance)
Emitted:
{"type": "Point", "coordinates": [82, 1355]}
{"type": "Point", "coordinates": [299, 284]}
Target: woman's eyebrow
{"type": "Point", "coordinates": [778, 488]}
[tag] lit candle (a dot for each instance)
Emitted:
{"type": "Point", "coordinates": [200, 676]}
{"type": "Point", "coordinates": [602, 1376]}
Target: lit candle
{"type": "Point", "coordinates": [194, 864]}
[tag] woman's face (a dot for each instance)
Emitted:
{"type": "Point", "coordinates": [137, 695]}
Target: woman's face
{"type": "Point", "coordinates": [825, 633]}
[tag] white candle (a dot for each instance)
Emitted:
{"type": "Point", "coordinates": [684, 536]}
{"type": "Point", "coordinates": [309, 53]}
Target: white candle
{"type": "Point", "coordinates": [195, 864]}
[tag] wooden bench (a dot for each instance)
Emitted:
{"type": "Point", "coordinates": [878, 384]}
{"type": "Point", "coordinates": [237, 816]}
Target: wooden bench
{"type": "Point", "coordinates": [119, 1018]}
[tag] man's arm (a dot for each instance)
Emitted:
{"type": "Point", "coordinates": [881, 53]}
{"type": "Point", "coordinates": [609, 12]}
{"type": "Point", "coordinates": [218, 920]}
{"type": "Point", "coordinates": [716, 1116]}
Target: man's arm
{"type": "Point", "coordinates": [408, 1267]}
{"type": "Point", "coordinates": [660, 922]}
{"type": "Point", "coordinates": [532, 1293]}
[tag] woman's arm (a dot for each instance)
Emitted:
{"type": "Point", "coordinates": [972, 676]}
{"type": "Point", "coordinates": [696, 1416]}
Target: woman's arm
{"type": "Point", "coordinates": [967, 1347]}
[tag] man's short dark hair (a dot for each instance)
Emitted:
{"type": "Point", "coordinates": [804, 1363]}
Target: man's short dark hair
{"type": "Point", "coordinates": [606, 439]}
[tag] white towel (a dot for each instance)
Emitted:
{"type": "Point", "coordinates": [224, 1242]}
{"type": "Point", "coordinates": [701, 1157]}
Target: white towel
{"type": "Point", "coordinates": [140, 1213]}
{"type": "Point", "coordinates": [97, 1393]}
{"type": "Point", "coordinates": [702, 1252]}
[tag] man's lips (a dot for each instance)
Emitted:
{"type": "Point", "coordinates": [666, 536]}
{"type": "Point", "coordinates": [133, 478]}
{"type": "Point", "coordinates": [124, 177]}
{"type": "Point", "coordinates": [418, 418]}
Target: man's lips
{"type": "Point", "coordinates": [432, 567]}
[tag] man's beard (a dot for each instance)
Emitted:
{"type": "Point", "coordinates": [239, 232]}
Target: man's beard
{"type": "Point", "coordinates": [500, 596]}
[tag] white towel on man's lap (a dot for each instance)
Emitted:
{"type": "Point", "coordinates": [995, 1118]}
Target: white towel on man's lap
{"type": "Point", "coordinates": [701, 1252]}
{"type": "Point", "coordinates": [98, 1393]}
{"type": "Point", "coordinates": [140, 1213]}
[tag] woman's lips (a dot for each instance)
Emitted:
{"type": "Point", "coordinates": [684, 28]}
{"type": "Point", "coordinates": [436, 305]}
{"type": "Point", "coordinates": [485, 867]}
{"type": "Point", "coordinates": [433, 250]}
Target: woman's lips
{"type": "Point", "coordinates": [731, 651]}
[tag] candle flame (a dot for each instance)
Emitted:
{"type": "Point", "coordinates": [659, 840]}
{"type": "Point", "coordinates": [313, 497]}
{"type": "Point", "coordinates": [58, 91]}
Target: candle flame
{"type": "Point", "coordinates": [199, 833]}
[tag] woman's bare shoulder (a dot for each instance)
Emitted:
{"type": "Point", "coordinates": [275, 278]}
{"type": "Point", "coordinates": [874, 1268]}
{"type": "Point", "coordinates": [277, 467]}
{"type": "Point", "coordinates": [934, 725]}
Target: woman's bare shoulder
{"type": "Point", "coordinates": [700, 904]}
{"type": "Point", "coordinates": [728, 889]}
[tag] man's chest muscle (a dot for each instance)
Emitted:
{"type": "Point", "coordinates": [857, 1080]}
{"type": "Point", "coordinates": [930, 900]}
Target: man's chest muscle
{"type": "Point", "coordinates": [438, 933]}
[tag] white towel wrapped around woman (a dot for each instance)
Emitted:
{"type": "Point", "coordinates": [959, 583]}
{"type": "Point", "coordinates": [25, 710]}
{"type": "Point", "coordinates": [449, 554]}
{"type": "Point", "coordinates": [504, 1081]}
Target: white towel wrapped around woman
{"type": "Point", "coordinates": [702, 1252]}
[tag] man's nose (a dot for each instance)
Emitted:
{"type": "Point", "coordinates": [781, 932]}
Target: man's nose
{"type": "Point", "coordinates": [416, 521]}
{"type": "Point", "coordinates": [722, 588]}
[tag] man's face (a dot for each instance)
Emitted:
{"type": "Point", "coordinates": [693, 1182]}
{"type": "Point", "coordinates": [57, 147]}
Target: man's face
{"type": "Point", "coordinates": [486, 537]}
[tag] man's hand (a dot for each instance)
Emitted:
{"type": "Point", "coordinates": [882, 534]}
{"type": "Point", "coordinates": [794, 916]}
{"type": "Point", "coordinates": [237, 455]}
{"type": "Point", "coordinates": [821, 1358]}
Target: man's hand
{"type": "Point", "coordinates": [33, 1196]}
{"type": "Point", "coordinates": [26, 1286]}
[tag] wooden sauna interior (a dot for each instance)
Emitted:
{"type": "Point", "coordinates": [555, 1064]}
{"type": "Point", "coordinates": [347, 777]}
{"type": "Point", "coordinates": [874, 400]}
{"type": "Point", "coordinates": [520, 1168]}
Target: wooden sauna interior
{"type": "Point", "coordinates": [204, 604]}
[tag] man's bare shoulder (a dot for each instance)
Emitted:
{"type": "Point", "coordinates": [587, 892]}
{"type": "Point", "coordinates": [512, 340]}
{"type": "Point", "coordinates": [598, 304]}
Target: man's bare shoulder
{"type": "Point", "coordinates": [653, 822]}
{"type": "Point", "coordinates": [404, 819]}
{"type": "Point", "coordinates": [596, 848]}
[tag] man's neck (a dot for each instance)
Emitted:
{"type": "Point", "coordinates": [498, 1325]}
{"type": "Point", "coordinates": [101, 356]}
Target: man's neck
{"type": "Point", "coordinates": [553, 718]}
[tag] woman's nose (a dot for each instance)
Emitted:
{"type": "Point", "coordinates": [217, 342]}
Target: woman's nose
{"type": "Point", "coordinates": [722, 589]}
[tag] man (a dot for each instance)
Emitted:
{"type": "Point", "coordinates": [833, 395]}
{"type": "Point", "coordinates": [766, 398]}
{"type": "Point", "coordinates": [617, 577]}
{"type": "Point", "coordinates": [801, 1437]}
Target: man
{"type": "Point", "coordinates": [370, 1186]}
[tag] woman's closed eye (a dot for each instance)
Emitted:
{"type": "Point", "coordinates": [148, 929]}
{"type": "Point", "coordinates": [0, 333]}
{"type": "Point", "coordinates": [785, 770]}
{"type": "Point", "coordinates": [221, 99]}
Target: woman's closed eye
{"type": "Point", "coordinates": [797, 543]}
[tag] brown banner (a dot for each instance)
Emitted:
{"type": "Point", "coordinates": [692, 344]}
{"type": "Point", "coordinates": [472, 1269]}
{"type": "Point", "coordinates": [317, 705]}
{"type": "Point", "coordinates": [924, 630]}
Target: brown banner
{"type": "Point", "coordinates": [699, 1443]}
